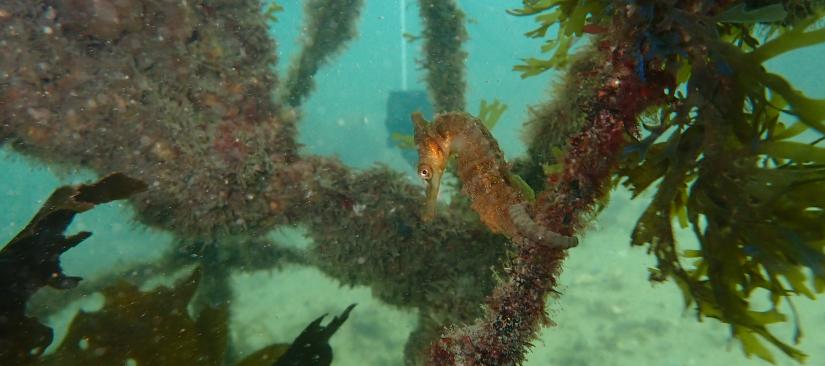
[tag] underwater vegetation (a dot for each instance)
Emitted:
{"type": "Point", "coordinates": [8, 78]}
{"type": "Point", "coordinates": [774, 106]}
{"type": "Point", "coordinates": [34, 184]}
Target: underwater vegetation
{"type": "Point", "coordinates": [330, 24]}
{"type": "Point", "coordinates": [667, 96]}
{"type": "Point", "coordinates": [31, 260]}
{"type": "Point", "coordinates": [444, 33]}
{"type": "Point", "coordinates": [718, 143]}
{"type": "Point", "coordinates": [151, 327]}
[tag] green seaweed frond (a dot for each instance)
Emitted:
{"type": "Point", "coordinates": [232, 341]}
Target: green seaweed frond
{"type": "Point", "coordinates": [403, 141]}
{"type": "Point", "coordinates": [517, 182]}
{"type": "Point", "coordinates": [271, 10]}
{"type": "Point", "coordinates": [797, 37]}
{"type": "Point", "coordinates": [490, 113]}
{"type": "Point", "coordinates": [757, 212]}
{"type": "Point", "coordinates": [550, 169]}
{"type": "Point", "coordinates": [570, 16]}
{"type": "Point", "coordinates": [753, 77]}
{"type": "Point", "coordinates": [411, 38]}
{"type": "Point", "coordinates": [747, 182]}
{"type": "Point", "coordinates": [739, 13]}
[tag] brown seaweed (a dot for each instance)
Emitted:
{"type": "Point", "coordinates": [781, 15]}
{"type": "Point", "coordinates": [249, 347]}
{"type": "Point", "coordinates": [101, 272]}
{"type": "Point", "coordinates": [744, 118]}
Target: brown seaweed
{"type": "Point", "coordinates": [311, 348]}
{"type": "Point", "coordinates": [152, 328]}
{"type": "Point", "coordinates": [31, 260]}
{"type": "Point", "coordinates": [156, 328]}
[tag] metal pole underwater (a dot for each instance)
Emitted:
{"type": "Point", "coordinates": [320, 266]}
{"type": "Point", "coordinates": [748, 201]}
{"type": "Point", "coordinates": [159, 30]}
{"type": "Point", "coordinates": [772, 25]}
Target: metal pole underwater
{"type": "Point", "coordinates": [402, 103]}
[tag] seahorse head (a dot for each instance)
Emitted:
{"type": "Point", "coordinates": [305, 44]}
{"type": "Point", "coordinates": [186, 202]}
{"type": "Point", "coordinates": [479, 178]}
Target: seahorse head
{"type": "Point", "coordinates": [433, 152]}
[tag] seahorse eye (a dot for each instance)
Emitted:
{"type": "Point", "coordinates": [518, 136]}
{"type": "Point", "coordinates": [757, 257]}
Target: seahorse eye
{"type": "Point", "coordinates": [425, 172]}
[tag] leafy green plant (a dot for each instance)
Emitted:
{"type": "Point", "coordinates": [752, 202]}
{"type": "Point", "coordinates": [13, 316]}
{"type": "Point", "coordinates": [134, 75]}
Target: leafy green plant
{"type": "Point", "coordinates": [271, 11]}
{"type": "Point", "coordinates": [744, 180]}
{"type": "Point", "coordinates": [490, 113]}
{"type": "Point", "coordinates": [726, 157]}
{"type": "Point", "coordinates": [571, 17]}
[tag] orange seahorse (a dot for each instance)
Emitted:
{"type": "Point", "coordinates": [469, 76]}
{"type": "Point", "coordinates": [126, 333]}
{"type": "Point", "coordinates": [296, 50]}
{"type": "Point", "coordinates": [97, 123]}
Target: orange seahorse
{"type": "Point", "coordinates": [484, 175]}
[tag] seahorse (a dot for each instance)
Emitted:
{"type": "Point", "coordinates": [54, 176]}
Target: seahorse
{"type": "Point", "coordinates": [484, 175]}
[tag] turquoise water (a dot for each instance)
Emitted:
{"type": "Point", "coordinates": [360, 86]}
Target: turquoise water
{"type": "Point", "coordinates": [608, 314]}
